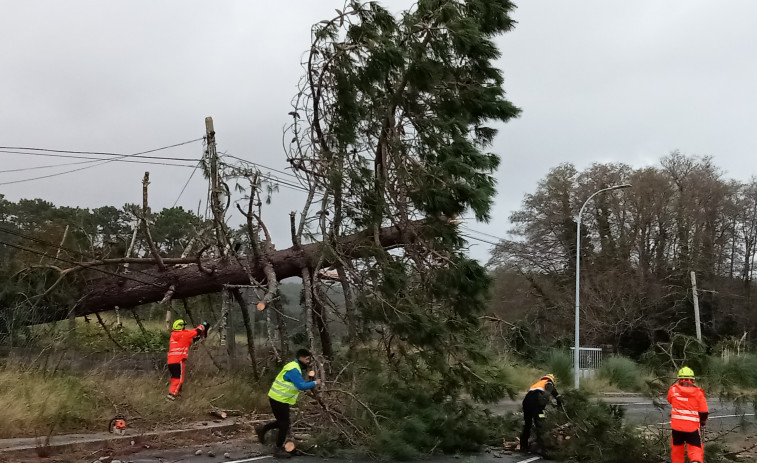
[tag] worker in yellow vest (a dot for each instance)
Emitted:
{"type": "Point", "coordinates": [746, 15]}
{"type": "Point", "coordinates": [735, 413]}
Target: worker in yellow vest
{"type": "Point", "coordinates": [534, 403]}
{"type": "Point", "coordinates": [282, 395]}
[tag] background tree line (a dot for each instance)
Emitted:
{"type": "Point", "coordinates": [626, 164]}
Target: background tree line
{"type": "Point", "coordinates": [38, 238]}
{"type": "Point", "coordinates": [638, 248]}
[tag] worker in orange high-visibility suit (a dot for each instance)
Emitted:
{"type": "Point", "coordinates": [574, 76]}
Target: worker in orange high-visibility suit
{"type": "Point", "coordinates": [178, 351]}
{"type": "Point", "coordinates": [536, 400]}
{"type": "Point", "coordinates": [688, 415]}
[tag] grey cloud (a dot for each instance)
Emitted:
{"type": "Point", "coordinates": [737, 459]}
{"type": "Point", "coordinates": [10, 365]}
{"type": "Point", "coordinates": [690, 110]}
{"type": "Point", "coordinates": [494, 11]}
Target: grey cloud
{"type": "Point", "coordinates": [598, 81]}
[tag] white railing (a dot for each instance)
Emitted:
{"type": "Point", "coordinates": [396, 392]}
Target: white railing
{"type": "Point", "coordinates": [590, 360]}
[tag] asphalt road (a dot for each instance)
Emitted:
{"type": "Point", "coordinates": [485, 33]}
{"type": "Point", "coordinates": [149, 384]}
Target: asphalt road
{"type": "Point", "coordinates": [241, 453]}
{"type": "Point", "coordinates": [724, 415]}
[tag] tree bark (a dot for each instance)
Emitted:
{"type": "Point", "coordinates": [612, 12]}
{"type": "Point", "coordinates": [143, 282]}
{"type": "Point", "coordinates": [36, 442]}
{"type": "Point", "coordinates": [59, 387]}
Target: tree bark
{"type": "Point", "coordinates": [349, 307]}
{"type": "Point", "coordinates": [307, 307]}
{"type": "Point", "coordinates": [148, 286]}
{"type": "Point", "coordinates": [281, 328]}
{"type": "Point", "coordinates": [248, 328]}
{"type": "Point", "coordinates": [321, 321]}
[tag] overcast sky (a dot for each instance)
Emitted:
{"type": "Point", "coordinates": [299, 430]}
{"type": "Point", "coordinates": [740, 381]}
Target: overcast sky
{"type": "Point", "coordinates": [597, 80]}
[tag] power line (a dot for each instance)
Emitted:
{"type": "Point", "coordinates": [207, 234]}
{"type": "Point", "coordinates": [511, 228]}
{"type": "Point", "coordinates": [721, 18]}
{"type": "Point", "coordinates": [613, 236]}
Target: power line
{"type": "Point", "coordinates": [479, 239]}
{"type": "Point", "coordinates": [91, 166]}
{"type": "Point", "coordinates": [483, 233]}
{"type": "Point", "coordinates": [260, 165]}
{"type": "Point", "coordinates": [71, 156]}
{"type": "Point", "coordinates": [51, 166]}
{"type": "Point", "coordinates": [121, 156]}
{"type": "Point", "coordinates": [105, 153]}
{"type": "Point", "coordinates": [54, 175]}
{"type": "Point", "coordinates": [185, 185]}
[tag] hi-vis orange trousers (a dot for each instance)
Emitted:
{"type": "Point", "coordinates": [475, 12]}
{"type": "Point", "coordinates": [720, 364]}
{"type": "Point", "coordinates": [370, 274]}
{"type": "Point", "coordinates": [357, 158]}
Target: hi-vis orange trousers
{"type": "Point", "coordinates": [177, 377]}
{"type": "Point", "coordinates": [692, 441]}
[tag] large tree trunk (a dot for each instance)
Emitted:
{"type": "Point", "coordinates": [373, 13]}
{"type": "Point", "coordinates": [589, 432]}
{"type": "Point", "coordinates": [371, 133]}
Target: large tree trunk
{"type": "Point", "coordinates": [190, 280]}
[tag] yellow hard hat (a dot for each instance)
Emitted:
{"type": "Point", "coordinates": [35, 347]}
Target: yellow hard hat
{"type": "Point", "coordinates": [686, 373]}
{"type": "Point", "coordinates": [550, 377]}
{"type": "Point", "coordinates": [179, 324]}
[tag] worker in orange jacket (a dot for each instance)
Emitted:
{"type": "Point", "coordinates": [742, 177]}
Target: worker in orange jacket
{"type": "Point", "coordinates": [536, 400]}
{"type": "Point", "coordinates": [687, 417]}
{"type": "Point", "coordinates": [178, 351]}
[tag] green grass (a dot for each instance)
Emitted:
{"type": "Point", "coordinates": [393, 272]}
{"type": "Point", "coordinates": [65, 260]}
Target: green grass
{"type": "Point", "coordinates": [35, 403]}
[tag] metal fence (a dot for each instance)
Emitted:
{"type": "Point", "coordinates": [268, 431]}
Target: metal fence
{"type": "Point", "coordinates": [589, 360]}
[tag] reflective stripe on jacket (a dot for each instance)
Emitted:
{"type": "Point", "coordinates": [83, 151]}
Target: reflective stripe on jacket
{"type": "Point", "coordinates": [178, 346]}
{"type": "Point", "coordinates": [283, 390]}
{"type": "Point", "coordinates": [688, 402]}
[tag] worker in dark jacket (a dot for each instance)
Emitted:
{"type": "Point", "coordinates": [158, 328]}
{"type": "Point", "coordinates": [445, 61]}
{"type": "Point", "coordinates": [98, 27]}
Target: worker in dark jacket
{"type": "Point", "coordinates": [534, 403]}
{"type": "Point", "coordinates": [282, 395]}
{"type": "Point", "coordinates": [178, 351]}
{"type": "Point", "coordinates": [687, 417]}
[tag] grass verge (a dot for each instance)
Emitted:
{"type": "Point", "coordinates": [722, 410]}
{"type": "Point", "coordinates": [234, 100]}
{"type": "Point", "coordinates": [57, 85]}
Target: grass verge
{"type": "Point", "coordinates": [39, 404]}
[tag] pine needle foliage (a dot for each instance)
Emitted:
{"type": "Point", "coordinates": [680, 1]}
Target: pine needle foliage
{"type": "Point", "coordinates": [599, 434]}
{"type": "Point", "coordinates": [393, 124]}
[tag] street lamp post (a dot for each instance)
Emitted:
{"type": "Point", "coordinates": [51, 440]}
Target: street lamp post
{"type": "Point", "coordinates": [576, 352]}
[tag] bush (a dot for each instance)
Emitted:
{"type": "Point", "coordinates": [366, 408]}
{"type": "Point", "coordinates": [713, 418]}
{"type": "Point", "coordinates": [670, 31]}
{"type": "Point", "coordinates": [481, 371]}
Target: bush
{"type": "Point", "coordinates": [560, 364]}
{"type": "Point", "coordinates": [623, 373]}
{"type": "Point", "coordinates": [738, 371]}
{"type": "Point", "coordinates": [599, 435]}
{"type": "Point", "coordinates": [415, 423]}
{"type": "Point", "coordinates": [665, 358]}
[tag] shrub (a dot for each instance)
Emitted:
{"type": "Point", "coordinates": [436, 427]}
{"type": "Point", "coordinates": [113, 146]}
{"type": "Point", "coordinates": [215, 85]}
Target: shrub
{"type": "Point", "coordinates": [682, 350]}
{"type": "Point", "coordinates": [738, 371]}
{"type": "Point", "coordinates": [623, 373]}
{"type": "Point", "coordinates": [560, 364]}
{"type": "Point", "coordinates": [413, 423]}
{"type": "Point", "coordinates": [599, 435]}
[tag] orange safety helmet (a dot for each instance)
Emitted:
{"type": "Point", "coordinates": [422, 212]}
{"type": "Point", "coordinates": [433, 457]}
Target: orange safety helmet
{"type": "Point", "coordinates": [549, 376]}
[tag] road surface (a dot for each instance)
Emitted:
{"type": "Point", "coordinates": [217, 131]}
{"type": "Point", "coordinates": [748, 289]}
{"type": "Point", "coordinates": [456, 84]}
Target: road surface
{"type": "Point", "coordinates": [241, 453]}
{"type": "Point", "coordinates": [724, 415]}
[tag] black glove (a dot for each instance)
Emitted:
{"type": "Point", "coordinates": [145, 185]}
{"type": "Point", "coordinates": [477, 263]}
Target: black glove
{"type": "Point", "coordinates": [205, 329]}
{"type": "Point", "coordinates": [559, 402]}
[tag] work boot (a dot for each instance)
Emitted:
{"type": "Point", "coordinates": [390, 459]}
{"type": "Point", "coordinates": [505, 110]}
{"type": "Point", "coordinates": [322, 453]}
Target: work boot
{"type": "Point", "coordinates": [171, 397]}
{"type": "Point", "coordinates": [260, 431]}
{"type": "Point", "coordinates": [281, 453]}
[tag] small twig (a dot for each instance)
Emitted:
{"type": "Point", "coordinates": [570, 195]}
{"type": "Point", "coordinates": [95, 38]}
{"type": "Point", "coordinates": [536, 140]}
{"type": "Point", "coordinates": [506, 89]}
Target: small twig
{"type": "Point", "coordinates": [354, 397]}
{"type": "Point", "coordinates": [107, 331]}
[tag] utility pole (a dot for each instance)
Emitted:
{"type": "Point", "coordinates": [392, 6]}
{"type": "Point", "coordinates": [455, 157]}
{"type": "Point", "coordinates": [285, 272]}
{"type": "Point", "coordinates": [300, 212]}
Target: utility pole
{"type": "Point", "coordinates": [215, 187]}
{"type": "Point", "coordinates": [696, 305]}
